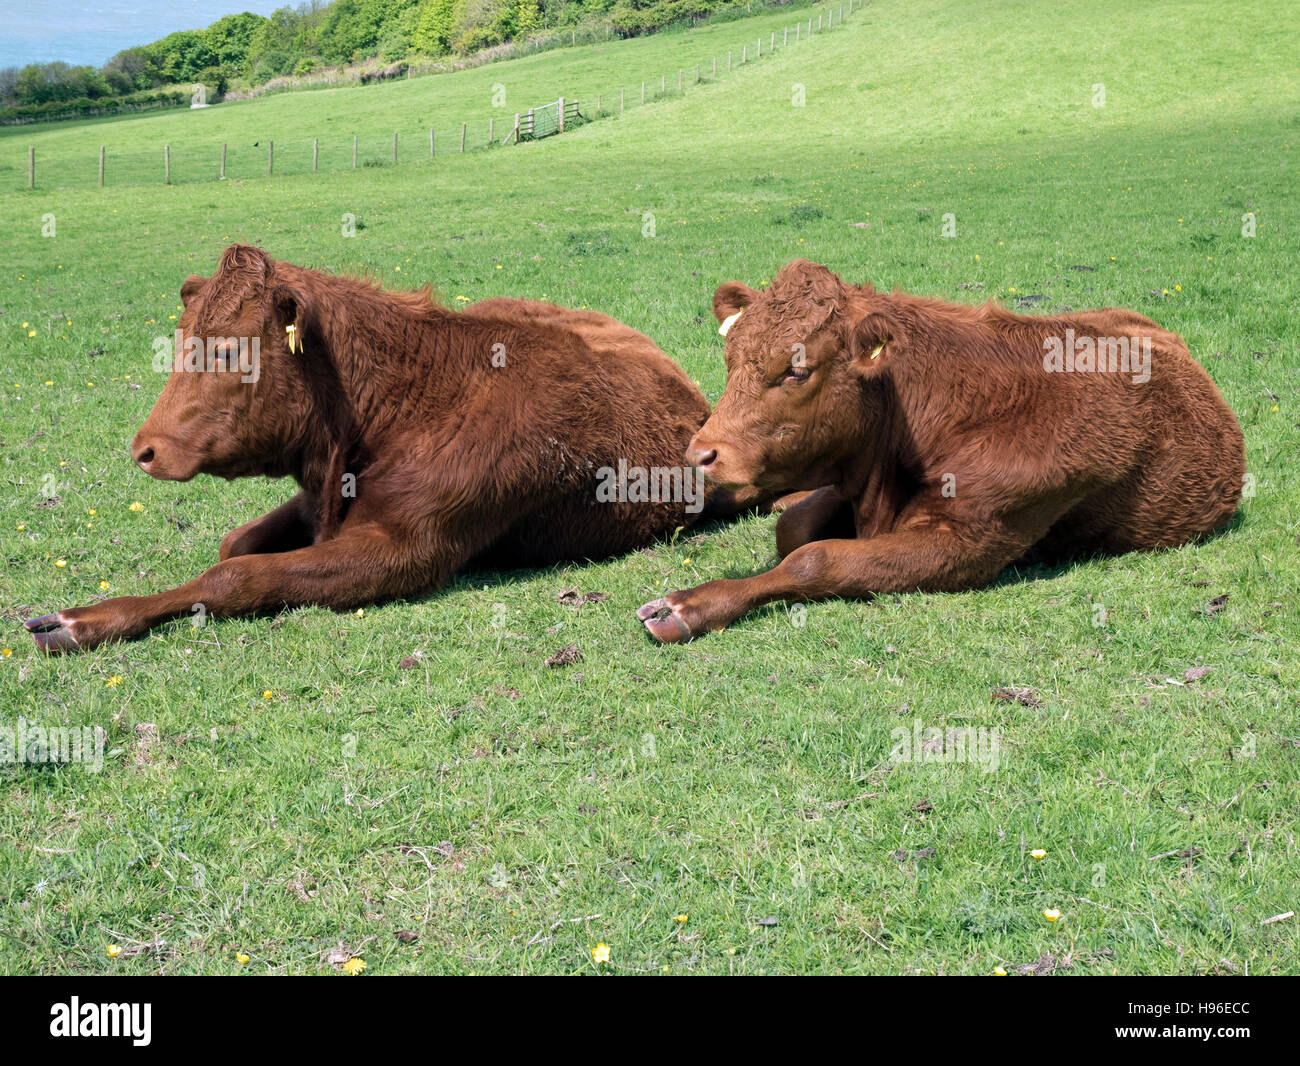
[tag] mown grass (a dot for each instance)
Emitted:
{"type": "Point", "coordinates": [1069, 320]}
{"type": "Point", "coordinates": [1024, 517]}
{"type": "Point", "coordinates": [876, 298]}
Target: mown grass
{"type": "Point", "coordinates": [478, 797]}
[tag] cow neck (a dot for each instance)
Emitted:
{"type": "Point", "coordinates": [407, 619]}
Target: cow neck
{"type": "Point", "coordinates": [360, 368]}
{"type": "Point", "coordinates": [342, 392]}
{"type": "Point", "coordinates": [333, 447]}
{"type": "Point", "coordinates": [873, 475]}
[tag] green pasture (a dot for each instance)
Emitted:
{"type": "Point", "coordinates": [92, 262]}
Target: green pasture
{"type": "Point", "coordinates": [276, 787]}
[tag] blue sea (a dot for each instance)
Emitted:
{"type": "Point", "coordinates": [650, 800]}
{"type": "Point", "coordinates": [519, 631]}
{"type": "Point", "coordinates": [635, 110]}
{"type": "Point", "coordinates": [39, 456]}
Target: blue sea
{"type": "Point", "coordinates": [45, 30]}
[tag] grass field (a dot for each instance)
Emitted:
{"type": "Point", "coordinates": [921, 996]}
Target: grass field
{"type": "Point", "coordinates": [278, 786]}
{"type": "Point", "coordinates": [68, 152]}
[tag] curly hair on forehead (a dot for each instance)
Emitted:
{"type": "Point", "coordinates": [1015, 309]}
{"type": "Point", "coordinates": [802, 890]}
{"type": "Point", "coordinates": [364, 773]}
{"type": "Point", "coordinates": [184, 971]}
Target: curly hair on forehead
{"type": "Point", "coordinates": [243, 270]}
{"type": "Point", "coordinates": [804, 295]}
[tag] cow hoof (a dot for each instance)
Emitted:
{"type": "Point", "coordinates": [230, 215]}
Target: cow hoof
{"type": "Point", "coordinates": [663, 622]}
{"type": "Point", "coordinates": [52, 636]}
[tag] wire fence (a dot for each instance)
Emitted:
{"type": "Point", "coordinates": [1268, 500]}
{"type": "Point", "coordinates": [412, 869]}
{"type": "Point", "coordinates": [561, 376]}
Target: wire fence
{"type": "Point", "coordinates": [184, 164]}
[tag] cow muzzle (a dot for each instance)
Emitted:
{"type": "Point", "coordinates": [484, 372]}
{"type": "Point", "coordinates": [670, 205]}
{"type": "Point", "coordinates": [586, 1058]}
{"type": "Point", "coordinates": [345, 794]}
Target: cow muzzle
{"type": "Point", "coordinates": [719, 462]}
{"type": "Point", "coordinates": [160, 461]}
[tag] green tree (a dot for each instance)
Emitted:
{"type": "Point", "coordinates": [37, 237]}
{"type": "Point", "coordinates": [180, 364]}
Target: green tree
{"type": "Point", "coordinates": [229, 39]}
{"type": "Point", "coordinates": [435, 27]}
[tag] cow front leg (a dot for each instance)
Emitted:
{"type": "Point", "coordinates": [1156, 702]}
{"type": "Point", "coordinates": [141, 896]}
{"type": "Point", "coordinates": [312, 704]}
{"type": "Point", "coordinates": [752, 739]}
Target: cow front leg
{"type": "Point", "coordinates": [358, 567]}
{"type": "Point", "coordinates": [291, 525]}
{"type": "Point", "coordinates": [940, 558]}
{"type": "Point", "coordinates": [820, 515]}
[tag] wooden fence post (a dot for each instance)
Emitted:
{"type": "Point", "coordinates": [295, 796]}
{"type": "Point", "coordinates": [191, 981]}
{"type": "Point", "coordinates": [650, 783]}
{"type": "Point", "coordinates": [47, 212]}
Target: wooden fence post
{"type": "Point", "coordinates": [492, 125]}
{"type": "Point", "coordinates": [463, 125]}
{"type": "Point", "coordinates": [101, 166]}
{"type": "Point", "coordinates": [715, 66]}
{"type": "Point", "coordinates": [697, 73]}
{"type": "Point", "coordinates": [31, 167]}
{"type": "Point", "coordinates": [561, 114]}
{"type": "Point", "coordinates": [223, 161]}
{"type": "Point", "coordinates": [598, 104]}
{"type": "Point", "coordinates": [797, 30]}
{"type": "Point", "coordinates": [315, 152]}
{"type": "Point", "coordinates": [516, 133]}
{"type": "Point", "coordinates": [430, 142]}
{"type": "Point", "coordinates": [167, 164]}
{"type": "Point", "coordinates": [680, 75]}
{"type": "Point", "coordinates": [643, 92]}
{"type": "Point", "coordinates": [270, 158]}
{"type": "Point", "coordinates": [744, 55]}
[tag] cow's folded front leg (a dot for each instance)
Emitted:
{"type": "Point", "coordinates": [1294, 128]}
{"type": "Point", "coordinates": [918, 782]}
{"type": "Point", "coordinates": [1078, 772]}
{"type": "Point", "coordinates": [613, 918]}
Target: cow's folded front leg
{"type": "Point", "coordinates": [820, 515]}
{"type": "Point", "coordinates": [359, 567]}
{"type": "Point", "coordinates": [291, 525]}
{"type": "Point", "coordinates": [943, 559]}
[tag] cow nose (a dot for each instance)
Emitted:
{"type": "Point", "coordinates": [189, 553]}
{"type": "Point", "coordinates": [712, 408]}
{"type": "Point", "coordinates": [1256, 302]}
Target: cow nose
{"type": "Point", "coordinates": [701, 456]}
{"type": "Point", "coordinates": [144, 456]}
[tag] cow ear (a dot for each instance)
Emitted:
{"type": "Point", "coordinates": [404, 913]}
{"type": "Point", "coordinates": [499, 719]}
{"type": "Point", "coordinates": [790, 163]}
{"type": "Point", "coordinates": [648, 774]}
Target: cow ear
{"type": "Point", "coordinates": [730, 298]}
{"type": "Point", "coordinates": [874, 340]}
{"type": "Point", "coordinates": [291, 315]}
{"type": "Point", "coordinates": [190, 288]}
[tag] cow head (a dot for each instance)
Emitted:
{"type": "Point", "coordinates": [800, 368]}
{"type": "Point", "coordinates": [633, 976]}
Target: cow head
{"type": "Point", "coordinates": [233, 402]}
{"type": "Point", "coordinates": [798, 356]}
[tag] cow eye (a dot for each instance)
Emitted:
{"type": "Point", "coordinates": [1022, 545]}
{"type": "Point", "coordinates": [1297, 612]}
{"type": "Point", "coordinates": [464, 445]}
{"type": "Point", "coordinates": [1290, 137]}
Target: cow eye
{"type": "Point", "coordinates": [798, 373]}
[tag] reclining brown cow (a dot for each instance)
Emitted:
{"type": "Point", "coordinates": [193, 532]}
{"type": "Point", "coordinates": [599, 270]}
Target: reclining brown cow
{"type": "Point", "coordinates": [951, 441]}
{"type": "Point", "coordinates": [422, 440]}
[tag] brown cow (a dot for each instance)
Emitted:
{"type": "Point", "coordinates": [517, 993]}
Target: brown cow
{"type": "Point", "coordinates": [422, 441]}
{"type": "Point", "coordinates": [951, 441]}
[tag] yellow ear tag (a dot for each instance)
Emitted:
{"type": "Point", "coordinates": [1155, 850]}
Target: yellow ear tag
{"type": "Point", "coordinates": [293, 336]}
{"type": "Point", "coordinates": [729, 321]}
{"type": "Point", "coordinates": [879, 348]}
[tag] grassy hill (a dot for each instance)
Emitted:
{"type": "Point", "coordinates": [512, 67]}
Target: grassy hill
{"type": "Point", "coordinates": [276, 786]}
{"type": "Point", "coordinates": [68, 152]}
